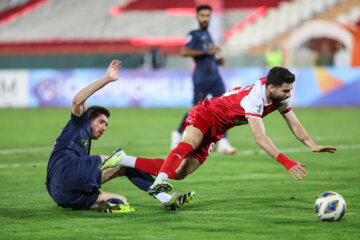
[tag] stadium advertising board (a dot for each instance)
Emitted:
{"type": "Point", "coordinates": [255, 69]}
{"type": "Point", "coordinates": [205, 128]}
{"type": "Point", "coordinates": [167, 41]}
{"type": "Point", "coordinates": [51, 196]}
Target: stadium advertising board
{"type": "Point", "coordinates": [164, 88]}
{"type": "Point", "coordinates": [167, 88]}
{"type": "Point", "coordinates": [327, 87]}
{"type": "Point", "coordinates": [14, 88]}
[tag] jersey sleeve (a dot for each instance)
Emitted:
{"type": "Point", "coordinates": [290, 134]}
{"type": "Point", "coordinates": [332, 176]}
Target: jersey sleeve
{"type": "Point", "coordinates": [79, 121]}
{"type": "Point", "coordinates": [253, 104]}
{"type": "Point", "coordinates": [285, 108]}
{"type": "Point", "coordinates": [191, 40]}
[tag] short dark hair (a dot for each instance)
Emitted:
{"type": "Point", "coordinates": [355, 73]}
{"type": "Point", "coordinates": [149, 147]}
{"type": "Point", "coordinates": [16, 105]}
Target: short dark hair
{"type": "Point", "coordinates": [279, 75]}
{"type": "Point", "coordinates": [202, 7]}
{"type": "Point", "coordinates": [95, 111]}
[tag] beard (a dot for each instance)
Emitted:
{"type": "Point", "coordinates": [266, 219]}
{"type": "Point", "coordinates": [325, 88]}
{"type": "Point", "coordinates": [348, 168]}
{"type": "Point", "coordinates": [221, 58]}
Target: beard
{"type": "Point", "coordinates": [204, 25]}
{"type": "Point", "coordinates": [276, 99]}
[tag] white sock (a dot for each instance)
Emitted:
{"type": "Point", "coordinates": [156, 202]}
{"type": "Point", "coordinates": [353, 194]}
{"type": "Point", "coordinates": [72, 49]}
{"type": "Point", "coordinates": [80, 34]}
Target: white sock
{"type": "Point", "coordinates": [128, 161]}
{"type": "Point", "coordinates": [223, 141]}
{"type": "Point", "coordinates": [161, 177]}
{"type": "Point", "coordinates": [163, 197]}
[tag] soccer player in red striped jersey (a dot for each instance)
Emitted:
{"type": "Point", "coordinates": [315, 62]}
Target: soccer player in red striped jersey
{"type": "Point", "coordinates": [207, 122]}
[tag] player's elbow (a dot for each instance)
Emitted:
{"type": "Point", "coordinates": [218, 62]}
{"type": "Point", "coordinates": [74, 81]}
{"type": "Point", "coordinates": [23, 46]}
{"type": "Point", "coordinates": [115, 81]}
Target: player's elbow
{"type": "Point", "coordinates": [76, 101]}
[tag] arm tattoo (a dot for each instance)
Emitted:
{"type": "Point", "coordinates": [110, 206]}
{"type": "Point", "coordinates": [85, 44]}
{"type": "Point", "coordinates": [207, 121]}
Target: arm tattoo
{"type": "Point", "coordinates": [303, 141]}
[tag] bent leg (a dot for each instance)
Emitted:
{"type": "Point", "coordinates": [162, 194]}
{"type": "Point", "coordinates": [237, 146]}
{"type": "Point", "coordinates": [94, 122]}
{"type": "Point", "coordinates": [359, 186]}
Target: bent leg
{"type": "Point", "coordinates": [139, 178]}
{"type": "Point", "coordinates": [149, 165]}
{"type": "Point", "coordinates": [187, 166]}
{"type": "Point", "coordinates": [112, 173]}
{"type": "Point", "coordinates": [104, 196]}
{"type": "Point", "coordinates": [192, 135]}
{"type": "Point", "coordinates": [192, 138]}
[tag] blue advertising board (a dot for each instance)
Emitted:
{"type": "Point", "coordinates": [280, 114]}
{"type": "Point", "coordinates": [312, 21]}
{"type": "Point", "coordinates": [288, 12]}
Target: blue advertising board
{"type": "Point", "coordinates": [173, 88]}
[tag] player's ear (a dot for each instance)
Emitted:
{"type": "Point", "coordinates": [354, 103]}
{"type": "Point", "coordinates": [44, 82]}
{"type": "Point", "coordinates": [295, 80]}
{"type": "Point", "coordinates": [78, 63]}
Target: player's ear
{"type": "Point", "coordinates": [271, 88]}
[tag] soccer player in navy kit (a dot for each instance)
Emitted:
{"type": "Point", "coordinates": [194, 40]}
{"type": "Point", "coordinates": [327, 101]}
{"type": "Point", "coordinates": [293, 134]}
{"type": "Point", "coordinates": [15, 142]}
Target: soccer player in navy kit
{"type": "Point", "coordinates": [206, 77]}
{"type": "Point", "coordinates": [73, 179]}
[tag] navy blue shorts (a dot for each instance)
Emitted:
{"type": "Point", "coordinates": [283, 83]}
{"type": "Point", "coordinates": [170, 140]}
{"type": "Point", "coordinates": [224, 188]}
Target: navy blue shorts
{"type": "Point", "coordinates": [75, 181]}
{"type": "Point", "coordinates": [215, 88]}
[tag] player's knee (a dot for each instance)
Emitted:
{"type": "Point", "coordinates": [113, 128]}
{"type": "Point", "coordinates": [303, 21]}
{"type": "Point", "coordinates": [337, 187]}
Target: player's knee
{"type": "Point", "coordinates": [115, 201]}
{"type": "Point", "coordinates": [193, 142]}
{"type": "Point", "coordinates": [118, 200]}
{"type": "Point", "coordinates": [122, 198]}
{"type": "Point", "coordinates": [104, 196]}
{"type": "Point", "coordinates": [181, 176]}
{"type": "Point", "coordinates": [192, 136]}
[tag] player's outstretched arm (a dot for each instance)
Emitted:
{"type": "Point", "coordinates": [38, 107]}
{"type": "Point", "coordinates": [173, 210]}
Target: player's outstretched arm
{"type": "Point", "coordinates": [78, 104]}
{"type": "Point", "coordinates": [258, 130]}
{"type": "Point", "coordinates": [301, 134]}
{"type": "Point", "coordinates": [296, 169]}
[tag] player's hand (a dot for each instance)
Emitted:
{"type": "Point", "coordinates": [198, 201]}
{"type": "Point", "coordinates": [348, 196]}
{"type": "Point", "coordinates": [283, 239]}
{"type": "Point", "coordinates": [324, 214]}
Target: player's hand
{"type": "Point", "coordinates": [214, 50]}
{"type": "Point", "coordinates": [112, 71]}
{"type": "Point", "coordinates": [220, 61]}
{"type": "Point", "coordinates": [298, 171]}
{"type": "Point", "coordinates": [317, 148]}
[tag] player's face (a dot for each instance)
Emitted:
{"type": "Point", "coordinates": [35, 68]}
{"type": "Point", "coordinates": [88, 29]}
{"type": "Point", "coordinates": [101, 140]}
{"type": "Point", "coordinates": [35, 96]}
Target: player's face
{"type": "Point", "coordinates": [98, 126]}
{"type": "Point", "coordinates": [278, 95]}
{"type": "Point", "coordinates": [203, 17]}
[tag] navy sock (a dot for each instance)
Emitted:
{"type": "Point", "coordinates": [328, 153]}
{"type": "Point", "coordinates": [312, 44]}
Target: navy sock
{"type": "Point", "coordinates": [139, 178]}
{"type": "Point", "coordinates": [183, 119]}
{"type": "Point", "coordinates": [225, 134]}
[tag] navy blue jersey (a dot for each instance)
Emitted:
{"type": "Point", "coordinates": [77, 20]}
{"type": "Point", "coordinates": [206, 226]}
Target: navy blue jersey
{"type": "Point", "coordinates": [201, 40]}
{"type": "Point", "coordinates": [74, 140]}
{"type": "Point", "coordinates": [73, 178]}
{"type": "Point", "coordinates": [206, 70]}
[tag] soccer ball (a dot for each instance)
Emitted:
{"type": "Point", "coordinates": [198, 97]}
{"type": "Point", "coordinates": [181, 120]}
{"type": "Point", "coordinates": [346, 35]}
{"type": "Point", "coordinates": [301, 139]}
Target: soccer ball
{"type": "Point", "coordinates": [330, 206]}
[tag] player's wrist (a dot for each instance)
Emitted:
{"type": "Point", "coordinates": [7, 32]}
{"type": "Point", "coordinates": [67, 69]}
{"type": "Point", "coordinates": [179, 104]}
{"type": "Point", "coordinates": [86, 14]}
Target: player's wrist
{"type": "Point", "coordinates": [308, 142]}
{"type": "Point", "coordinates": [312, 145]}
{"type": "Point", "coordinates": [206, 51]}
{"type": "Point", "coordinates": [106, 79]}
{"type": "Point", "coordinates": [285, 161]}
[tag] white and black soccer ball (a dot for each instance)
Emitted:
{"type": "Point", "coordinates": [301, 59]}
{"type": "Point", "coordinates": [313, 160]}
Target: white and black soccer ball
{"type": "Point", "coordinates": [330, 206]}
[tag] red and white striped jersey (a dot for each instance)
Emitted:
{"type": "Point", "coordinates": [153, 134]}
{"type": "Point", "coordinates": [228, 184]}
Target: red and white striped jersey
{"type": "Point", "coordinates": [235, 106]}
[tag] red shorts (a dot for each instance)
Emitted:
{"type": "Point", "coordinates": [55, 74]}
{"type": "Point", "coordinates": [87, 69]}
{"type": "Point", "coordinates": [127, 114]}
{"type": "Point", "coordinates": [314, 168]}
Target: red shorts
{"type": "Point", "coordinates": [201, 118]}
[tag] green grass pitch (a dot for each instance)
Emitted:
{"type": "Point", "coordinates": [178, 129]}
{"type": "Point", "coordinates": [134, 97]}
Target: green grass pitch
{"type": "Point", "coordinates": [244, 196]}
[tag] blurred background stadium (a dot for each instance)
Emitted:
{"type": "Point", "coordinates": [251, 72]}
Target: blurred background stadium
{"type": "Point", "coordinates": [51, 48]}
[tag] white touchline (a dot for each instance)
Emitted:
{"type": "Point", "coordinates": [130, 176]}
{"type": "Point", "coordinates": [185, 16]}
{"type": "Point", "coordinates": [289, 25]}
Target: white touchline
{"type": "Point", "coordinates": [245, 152]}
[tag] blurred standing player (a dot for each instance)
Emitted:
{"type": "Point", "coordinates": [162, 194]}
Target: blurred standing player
{"type": "Point", "coordinates": [207, 122]}
{"type": "Point", "coordinates": [73, 179]}
{"type": "Point", "coordinates": [206, 77]}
